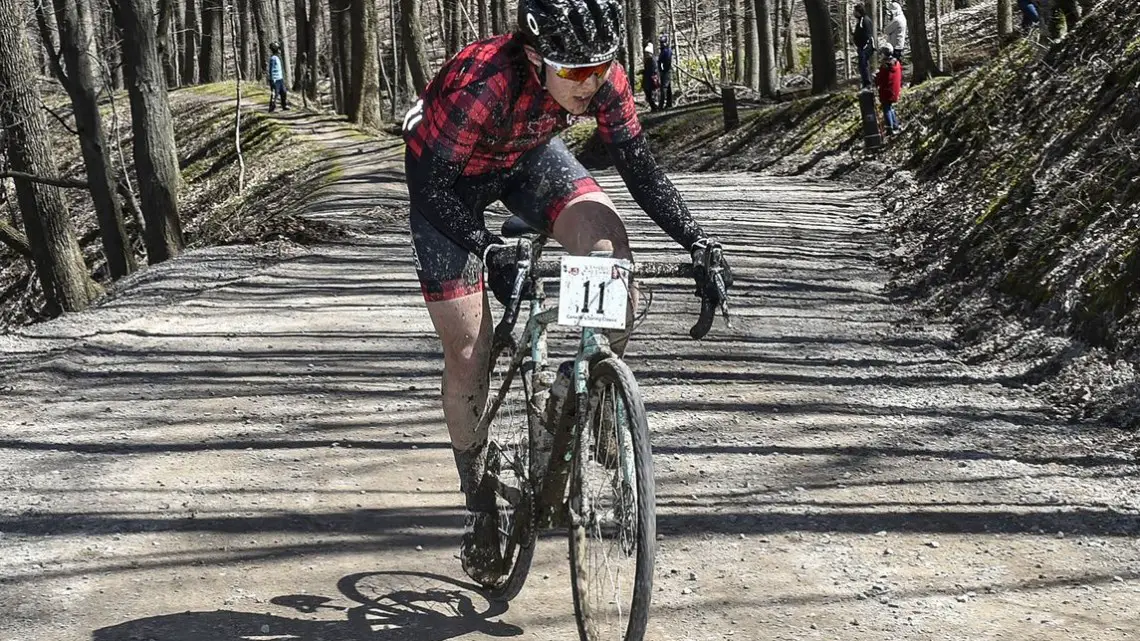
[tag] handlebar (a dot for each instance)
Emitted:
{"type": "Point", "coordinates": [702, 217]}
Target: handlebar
{"type": "Point", "coordinates": [530, 267]}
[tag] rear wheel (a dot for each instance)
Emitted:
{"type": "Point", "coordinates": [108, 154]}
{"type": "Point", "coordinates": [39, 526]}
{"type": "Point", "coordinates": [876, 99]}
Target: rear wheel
{"type": "Point", "coordinates": [612, 510]}
{"type": "Point", "coordinates": [508, 467]}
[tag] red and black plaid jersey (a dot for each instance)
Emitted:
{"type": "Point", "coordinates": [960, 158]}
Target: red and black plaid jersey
{"type": "Point", "coordinates": [486, 108]}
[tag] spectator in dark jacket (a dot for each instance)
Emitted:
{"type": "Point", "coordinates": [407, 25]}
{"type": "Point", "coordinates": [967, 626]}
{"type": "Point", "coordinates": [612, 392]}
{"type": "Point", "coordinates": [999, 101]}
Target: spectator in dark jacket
{"type": "Point", "coordinates": [864, 37]}
{"type": "Point", "coordinates": [650, 80]}
{"type": "Point", "coordinates": [889, 80]}
{"type": "Point", "coordinates": [665, 66]}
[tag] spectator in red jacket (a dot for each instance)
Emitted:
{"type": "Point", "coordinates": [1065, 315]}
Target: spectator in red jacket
{"type": "Point", "coordinates": [889, 81]}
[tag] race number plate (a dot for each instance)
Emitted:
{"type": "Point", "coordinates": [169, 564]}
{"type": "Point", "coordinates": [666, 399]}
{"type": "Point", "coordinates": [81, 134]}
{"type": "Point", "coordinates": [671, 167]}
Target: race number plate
{"type": "Point", "coordinates": [594, 292]}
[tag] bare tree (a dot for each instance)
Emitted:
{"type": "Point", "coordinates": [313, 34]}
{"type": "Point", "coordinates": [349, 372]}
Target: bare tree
{"type": "Point", "coordinates": [340, 26]}
{"type": "Point", "coordinates": [823, 78]}
{"type": "Point", "coordinates": [191, 39]}
{"type": "Point", "coordinates": [156, 161]}
{"type": "Point", "coordinates": [282, 39]}
{"type": "Point", "coordinates": [364, 108]}
{"type": "Point", "coordinates": [212, 58]}
{"type": "Point", "coordinates": [791, 55]}
{"type": "Point", "coordinates": [55, 250]}
{"type": "Point", "coordinates": [648, 19]}
{"type": "Point", "coordinates": [1004, 18]}
{"type": "Point", "coordinates": [245, 46]}
{"type": "Point", "coordinates": [263, 28]}
{"type": "Point", "coordinates": [919, 44]}
{"type": "Point", "coordinates": [316, 28]}
{"type": "Point", "coordinates": [415, 51]}
{"type": "Point", "coordinates": [167, 52]}
{"type": "Point", "coordinates": [634, 42]}
{"type": "Point", "coordinates": [301, 18]}
{"type": "Point", "coordinates": [768, 83]}
{"type": "Point", "coordinates": [77, 44]}
{"type": "Point", "coordinates": [751, 45]}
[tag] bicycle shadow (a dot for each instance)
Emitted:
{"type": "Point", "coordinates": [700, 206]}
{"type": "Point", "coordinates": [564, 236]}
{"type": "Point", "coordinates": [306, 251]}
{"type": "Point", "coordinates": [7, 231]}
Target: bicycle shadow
{"type": "Point", "coordinates": [386, 606]}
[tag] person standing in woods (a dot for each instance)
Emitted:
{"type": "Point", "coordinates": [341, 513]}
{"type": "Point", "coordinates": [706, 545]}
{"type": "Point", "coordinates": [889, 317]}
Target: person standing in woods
{"type": "Point", "coordinates": [665, 66]}
{"type": "Point", "coordinates": [276, 78]}
{"type": "Point", "coordinates": [889, 81]}
{"type": "Point", "coordinates": [485, 130]}
{"type": "Point", "coordinates": [650, 80]}
{"type": "Point", "coordinates": [895, 32]}
{"type": "Point", "coordinates": [1030, 17]}
{"type": "Point", "coordinates": [864, 38]}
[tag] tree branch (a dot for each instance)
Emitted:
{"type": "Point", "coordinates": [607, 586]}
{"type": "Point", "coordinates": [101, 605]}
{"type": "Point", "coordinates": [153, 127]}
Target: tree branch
{"type": "Point", "coordinates": [49, 43]}
{"type": "Point", "coordinates": [74, 132]}
{"type": "Point", "coordinates": [55, 182]}
{"type": "Point", "coordinates": [12, 237]}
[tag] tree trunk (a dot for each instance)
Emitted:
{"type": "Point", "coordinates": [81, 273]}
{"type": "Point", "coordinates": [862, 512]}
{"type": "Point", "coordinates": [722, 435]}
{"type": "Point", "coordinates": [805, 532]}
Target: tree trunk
{"type": "Point", "coordinates": [58, 259]}
{"type": "Point", "coordinates": [415, 51]}
{"type": "Point", "coordinates": [751, 45]}
{"type": "Point", "coordinates": [301, 18]}
{"type": "Point", "coordinates": [263, 27]}
{"type": "Point", "coordinates": [938, 34]}
{"type": "Point", "coordinates": [282, 39]}
{"type": "Point", "coordinates": [791, 53]}
{"type": "Point", "coordinates": [211, 60]}
{"type": "Point", "coordinates": [340, 12]}
{"type": "Point", "coordinates": [484, 19]}
{"type": "Point", "coordinates": [635, 44]}
{"type": "Point", "coordinates": [246, 46]}
{"type": "Point", "coordinates": [823, 78]}
{"type": "Point", "coordinates": [737, 33]}
{"type": "Point", "coordinates": [845, 20]}
{"type": "Point", "coordinates": [919, 44]}
{"type": "Point", "coordinates": [77, 44]}
{"type": "Point", "coordinates": [649, 19]}
{"type": "Point", "coordinates": [109, 50]}
{"type": "Point", "coordinates": [166, 50]}
{"type": "Point", "coordinates": [767, 78]}
{"type": "Point", "coordinates": [454, 21]}
{"type": "Point", "coordinates": [156, 162]}
{"type": "Point", "coordinates": [365, 107]}
{"type": "Point", "coordinates": [1004, 18]}
{"type": "Point", "coordinates": [190, 43]}
{"type": "Point", "coordinates": [316, 28]}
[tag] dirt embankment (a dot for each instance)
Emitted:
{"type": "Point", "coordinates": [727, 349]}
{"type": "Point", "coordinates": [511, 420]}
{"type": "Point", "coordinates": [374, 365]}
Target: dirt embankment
{"type": "Point", "coordinates": [219, 204]}
{"type": "Point", "coordinates": [1013, 196]}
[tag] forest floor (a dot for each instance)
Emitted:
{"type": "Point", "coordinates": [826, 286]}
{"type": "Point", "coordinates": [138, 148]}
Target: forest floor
{"type": "Point", "coordinates": [247, 442]}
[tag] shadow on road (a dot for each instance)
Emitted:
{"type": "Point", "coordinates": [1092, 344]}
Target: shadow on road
{"type": "Point", "coordinates": [384, 606]}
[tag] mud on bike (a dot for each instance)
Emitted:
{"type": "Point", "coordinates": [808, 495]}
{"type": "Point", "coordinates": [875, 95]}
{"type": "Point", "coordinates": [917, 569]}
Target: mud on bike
{"type": "Point", "coordinates": [569, 446]}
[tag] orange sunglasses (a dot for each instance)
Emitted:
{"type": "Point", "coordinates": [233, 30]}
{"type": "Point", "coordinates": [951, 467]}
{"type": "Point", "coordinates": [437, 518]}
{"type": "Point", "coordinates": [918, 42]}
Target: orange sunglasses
{"type": "Point", "coordinates": [579, 73]}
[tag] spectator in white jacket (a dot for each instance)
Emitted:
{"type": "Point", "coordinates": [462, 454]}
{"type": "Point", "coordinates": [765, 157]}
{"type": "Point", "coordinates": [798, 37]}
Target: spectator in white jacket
{"type": "Point", "coordinates": [895, 33]}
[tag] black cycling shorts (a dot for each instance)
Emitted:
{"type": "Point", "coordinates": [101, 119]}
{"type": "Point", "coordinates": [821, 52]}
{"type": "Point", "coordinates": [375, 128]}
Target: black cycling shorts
{"type": "Point", "coordinates": [537, 188]}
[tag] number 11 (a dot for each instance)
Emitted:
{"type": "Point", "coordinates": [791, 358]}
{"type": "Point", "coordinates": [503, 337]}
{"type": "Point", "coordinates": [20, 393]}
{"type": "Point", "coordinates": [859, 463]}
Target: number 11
{"type": "Point", "coordinates": [601, 297]}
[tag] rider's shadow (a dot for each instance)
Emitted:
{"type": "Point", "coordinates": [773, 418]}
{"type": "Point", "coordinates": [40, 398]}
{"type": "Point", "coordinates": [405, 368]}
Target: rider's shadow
{"type": "Point", "coordinates": [386, 606]}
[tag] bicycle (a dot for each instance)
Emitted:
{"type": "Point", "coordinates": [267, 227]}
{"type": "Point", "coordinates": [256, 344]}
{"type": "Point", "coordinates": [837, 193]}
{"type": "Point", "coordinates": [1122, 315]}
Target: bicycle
{"type": "Point", "coordinates": [571, 447]}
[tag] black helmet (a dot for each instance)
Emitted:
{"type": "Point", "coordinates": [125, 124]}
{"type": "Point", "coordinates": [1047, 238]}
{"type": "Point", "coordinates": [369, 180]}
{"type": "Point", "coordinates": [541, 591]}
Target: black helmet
{"type": "Point", "coordinates": [274, 47]}
{"type": "Point", "coordinates": [573, 31]}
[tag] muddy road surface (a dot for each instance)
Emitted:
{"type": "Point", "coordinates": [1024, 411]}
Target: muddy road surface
{"type": "Point", "coordinates": [248, 444]}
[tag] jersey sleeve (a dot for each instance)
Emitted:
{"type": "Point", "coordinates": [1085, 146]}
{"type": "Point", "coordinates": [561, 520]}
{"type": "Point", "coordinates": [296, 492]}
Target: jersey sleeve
{"type": "Point", "coordinates": [457, 119]}
{"type": "Point", "coordinates": [616, 112]}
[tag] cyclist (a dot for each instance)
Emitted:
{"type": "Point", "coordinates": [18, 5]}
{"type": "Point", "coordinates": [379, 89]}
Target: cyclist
{"type": "Point", "coordinates": [485, 130]}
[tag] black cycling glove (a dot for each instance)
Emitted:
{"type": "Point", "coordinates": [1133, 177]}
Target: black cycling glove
{"type": "Point", "coordinates": [502, 266]}
{"type": "Point", "coordinates": [708, 260]}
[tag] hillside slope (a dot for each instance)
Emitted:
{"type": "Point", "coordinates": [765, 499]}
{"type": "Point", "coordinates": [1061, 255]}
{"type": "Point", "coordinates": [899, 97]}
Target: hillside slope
{"type": "Point", "coordinates": [1013, 196]}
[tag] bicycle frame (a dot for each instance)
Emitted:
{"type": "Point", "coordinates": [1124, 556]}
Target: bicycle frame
{"type": "Point", "coordinates": [550, 483]}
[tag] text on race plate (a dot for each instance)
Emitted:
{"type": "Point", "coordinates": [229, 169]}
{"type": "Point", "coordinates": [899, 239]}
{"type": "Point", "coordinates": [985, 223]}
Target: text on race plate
{"type": "Point", "coordinates": [594, 292]}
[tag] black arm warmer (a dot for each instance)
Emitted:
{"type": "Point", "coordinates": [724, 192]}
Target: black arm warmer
{"type": "Point", "coordinates": [654, 192]}
{"type": "Point", "coordinates": [431, 185]}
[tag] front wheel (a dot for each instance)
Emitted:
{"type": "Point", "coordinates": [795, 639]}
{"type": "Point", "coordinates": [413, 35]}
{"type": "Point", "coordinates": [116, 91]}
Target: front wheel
{"type": "Point", "coordinates": [612, 510]}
